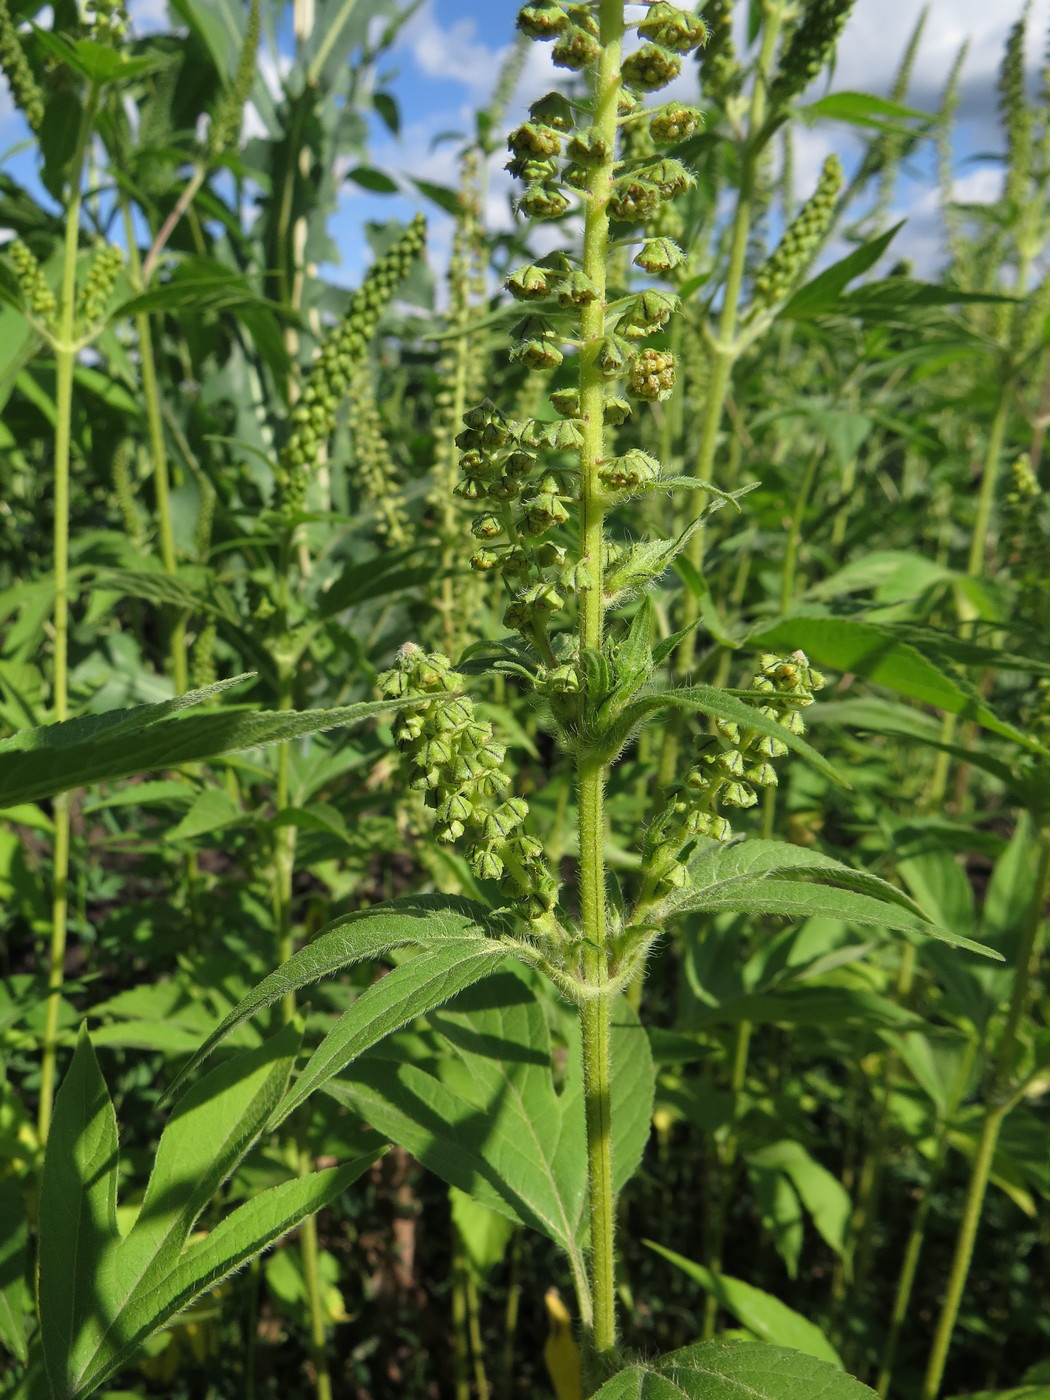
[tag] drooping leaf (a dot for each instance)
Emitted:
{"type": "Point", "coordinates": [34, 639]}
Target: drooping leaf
{"type": "Point", "coordinates": [41, 762]}
{"type": "Point", "coordinates": [795, 900]}
{"type": "Point", "coordinates": [733, 1371]}
{"type": "Point", "coordinates": [488, 1118]}
{"type": "Point", "coordinates": [761, 1313]}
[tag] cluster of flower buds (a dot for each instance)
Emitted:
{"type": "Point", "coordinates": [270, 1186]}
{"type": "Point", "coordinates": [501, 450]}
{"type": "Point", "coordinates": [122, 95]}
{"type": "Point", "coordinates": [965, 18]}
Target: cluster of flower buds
{"type": "Point", "coordinates": [809, 48]}
{"type": "Point", "coordinates": [25, 90]}
{"type": "Point", "coordinates": [33, 285]}
{"type": "Point", "coordinates": [107, 20]}
{"type": "Point", "coordinates": [98, 285]}
{"type": "Point", "coordinates": [775, 279]}
{"type": "Point", "coordinates": [313, 418]}
{"type": "Point", "coordinates": [538, 157]}
{"type": "Point", "coordinates": [720, 72]}
{"type": "Point", "coordinates": [733, 763]}
{"type": "Point", "coordinates": [374, 465]}
{"type": "Point", "coordinates": [229, 111]}
{"type": "Point", "coordinates": [457, 764]}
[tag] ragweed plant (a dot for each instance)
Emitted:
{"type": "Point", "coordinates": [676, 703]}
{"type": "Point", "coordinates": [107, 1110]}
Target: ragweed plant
{"type": "Point", "coordinates": [581, 639]}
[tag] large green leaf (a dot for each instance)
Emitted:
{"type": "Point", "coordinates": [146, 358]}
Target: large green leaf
{"type": "Point", "coordinates": [795, 900]}
{"type": "Point", "coordinates": [487, 1117]}
{"type": "Point", "coordinates": [101, 1295]}
{"type": "Point", "coordinates": [410, 990]}
{"type": "Point", "coordinates": [367, 933]}
{"type": "Point", "coordinates": [733, 1371]}
{"type": "Point", "coordinates": [761, 1313]}
{"type": "Point", "coordinates": [37, 763]}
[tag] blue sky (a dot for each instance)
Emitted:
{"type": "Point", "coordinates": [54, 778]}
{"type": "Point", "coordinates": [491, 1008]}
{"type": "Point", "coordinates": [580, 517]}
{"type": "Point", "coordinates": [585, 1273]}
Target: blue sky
{"type": "Point", "coordinates": [448, 56]}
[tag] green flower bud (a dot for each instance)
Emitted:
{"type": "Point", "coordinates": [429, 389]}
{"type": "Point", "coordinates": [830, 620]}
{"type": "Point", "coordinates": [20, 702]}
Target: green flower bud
{"type": "Point", "coordinates": [673, 28]}
{"type": "Point", "coordinates": [534, 139]}
{"type": "Point", "coordinates": [543, 202]}
{"type": "Point", "coordinates": [732, 761]}
{"type": "Point", "coordinates": [485, 863]}
{"type": "Point", "coordinates": [575, 49]}
{"type": "Point", "coordinates": [652, 375]}
{"type": "Point", "coordinates": [532, 170]}
{"type": "Point", "coordinates": [632, 469]}
{"type": "Point", "coordinates": [659, 255]}
{"type": "Point", "coordinates": [576, 289]}
{"type": "Point", "coordinates": [553, 110]}
{"type": "Point", "coordinates": [567, 402]}
{"type": "Point", "coordinates": [634, 200]}
{"type": "Point", "coordinates": [674, 122]}
{"type": "Point", "coordinates": [617, 411]}
{"type": "Point", "coordinates": [531, 283]}
{"type": "Point", "coordinates": [587, 148]}
{"type": "Point", "coordinates": [486, 527]}
{"type": "Point", "coordinates": [484, 560]}
{"type": "Point", "coordinates": [615, 358]}
{"type": "Point", "coordinates": [650, 311]}
{"type": "Point", "coordinates": [536, 354]}
{"type": "Point", "coordinates": [542, 20]}
{"type": "Point", "coordinates": [762, 775]}
{"type": "Point", "coordinates": [738, 795]}
{"type": "Point", "coordinates": [650, 68]}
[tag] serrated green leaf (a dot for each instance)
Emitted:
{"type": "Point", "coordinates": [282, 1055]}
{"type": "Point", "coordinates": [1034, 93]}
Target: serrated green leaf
{"type": "Point", "coordinates": [211, 810]}
{"type": "Point", "coordinates": [367, 933]}
{"type": "Point", "coordinates": [761, 1313]}
{"type": "Point", "coordinates": [795, 900]}
{"type": "Point", "coordinates": [489, 1120]}
{"type": "Point", "coordinates": [733, 1371]}
{"type": "Point", "coordinates": [41, 762]}
{"type": "Point", "coordinates": [410, 990]}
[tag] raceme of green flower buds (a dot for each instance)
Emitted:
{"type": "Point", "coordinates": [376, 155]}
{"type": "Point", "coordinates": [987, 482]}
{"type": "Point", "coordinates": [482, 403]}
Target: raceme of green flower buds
{"type": "Point", "coordinates": [33, 285]}
{"type": "Point", "coordinates": [226, 120]}
{"type": "Point", "coordinates": [728, 770]}
{"type": "Point", "coordinates": [98, 285]}
{"type": "Point", "coordinates": [720, 73]}
{"type": "Point", "coordinates": [456, 762]}
{"type": "Point", "coordinates": [25, 90]}
{"type": "Point", "coordinates": [775, 279]}
{"type": "Point", "coordinates": [313, 418]}
{"type": "Point", "coordinates": [373, 464]}
{"type": "Point", "coordinates": [107, 20]}
{"type": "Point", "coordinates": [809, 48]}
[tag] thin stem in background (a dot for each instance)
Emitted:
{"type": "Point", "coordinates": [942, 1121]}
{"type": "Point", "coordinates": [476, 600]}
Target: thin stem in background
{"type": "Point", "coordinates": [65, 363]}
{"type": "Point", "coordinates": [1000, 1102]}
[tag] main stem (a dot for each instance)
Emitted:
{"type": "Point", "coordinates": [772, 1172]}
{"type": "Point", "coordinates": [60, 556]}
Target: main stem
{"type": "Point", "coordinates": [65, 362]}
{"type": "Point", "coordinates": [999, 1106]}
{"type": "Point", "coordinates": [596, 1011]}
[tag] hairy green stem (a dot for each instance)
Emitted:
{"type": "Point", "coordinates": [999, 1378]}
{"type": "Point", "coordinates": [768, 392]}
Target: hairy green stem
{"type": "Point", "coordinates": [65, 363]}
{"type": "Point", "coordinates": [595, 1014]}
{"type": "Point", "coordinates": [1000, 1103]}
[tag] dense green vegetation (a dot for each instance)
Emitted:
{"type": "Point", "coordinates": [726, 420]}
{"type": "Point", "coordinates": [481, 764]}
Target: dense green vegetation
{"type": "Point", "coordinates": [526, 794]}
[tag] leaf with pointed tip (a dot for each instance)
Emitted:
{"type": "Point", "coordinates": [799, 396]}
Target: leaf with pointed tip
{"type": "Point", "coordinates": [410, 990]}
{"type": "Point", "coordinates": [487, 1117]}
{"type": "Point", "coordinates": [421, 920]}
{"type": "Point", "coordinates": [38, 763]}
{"type": "Point", "coordinates": [761, 1313]}
{"type": "Point", "coordinates": [794, 900]}
{"type": "Point", "coordinates": [733, 1371]}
